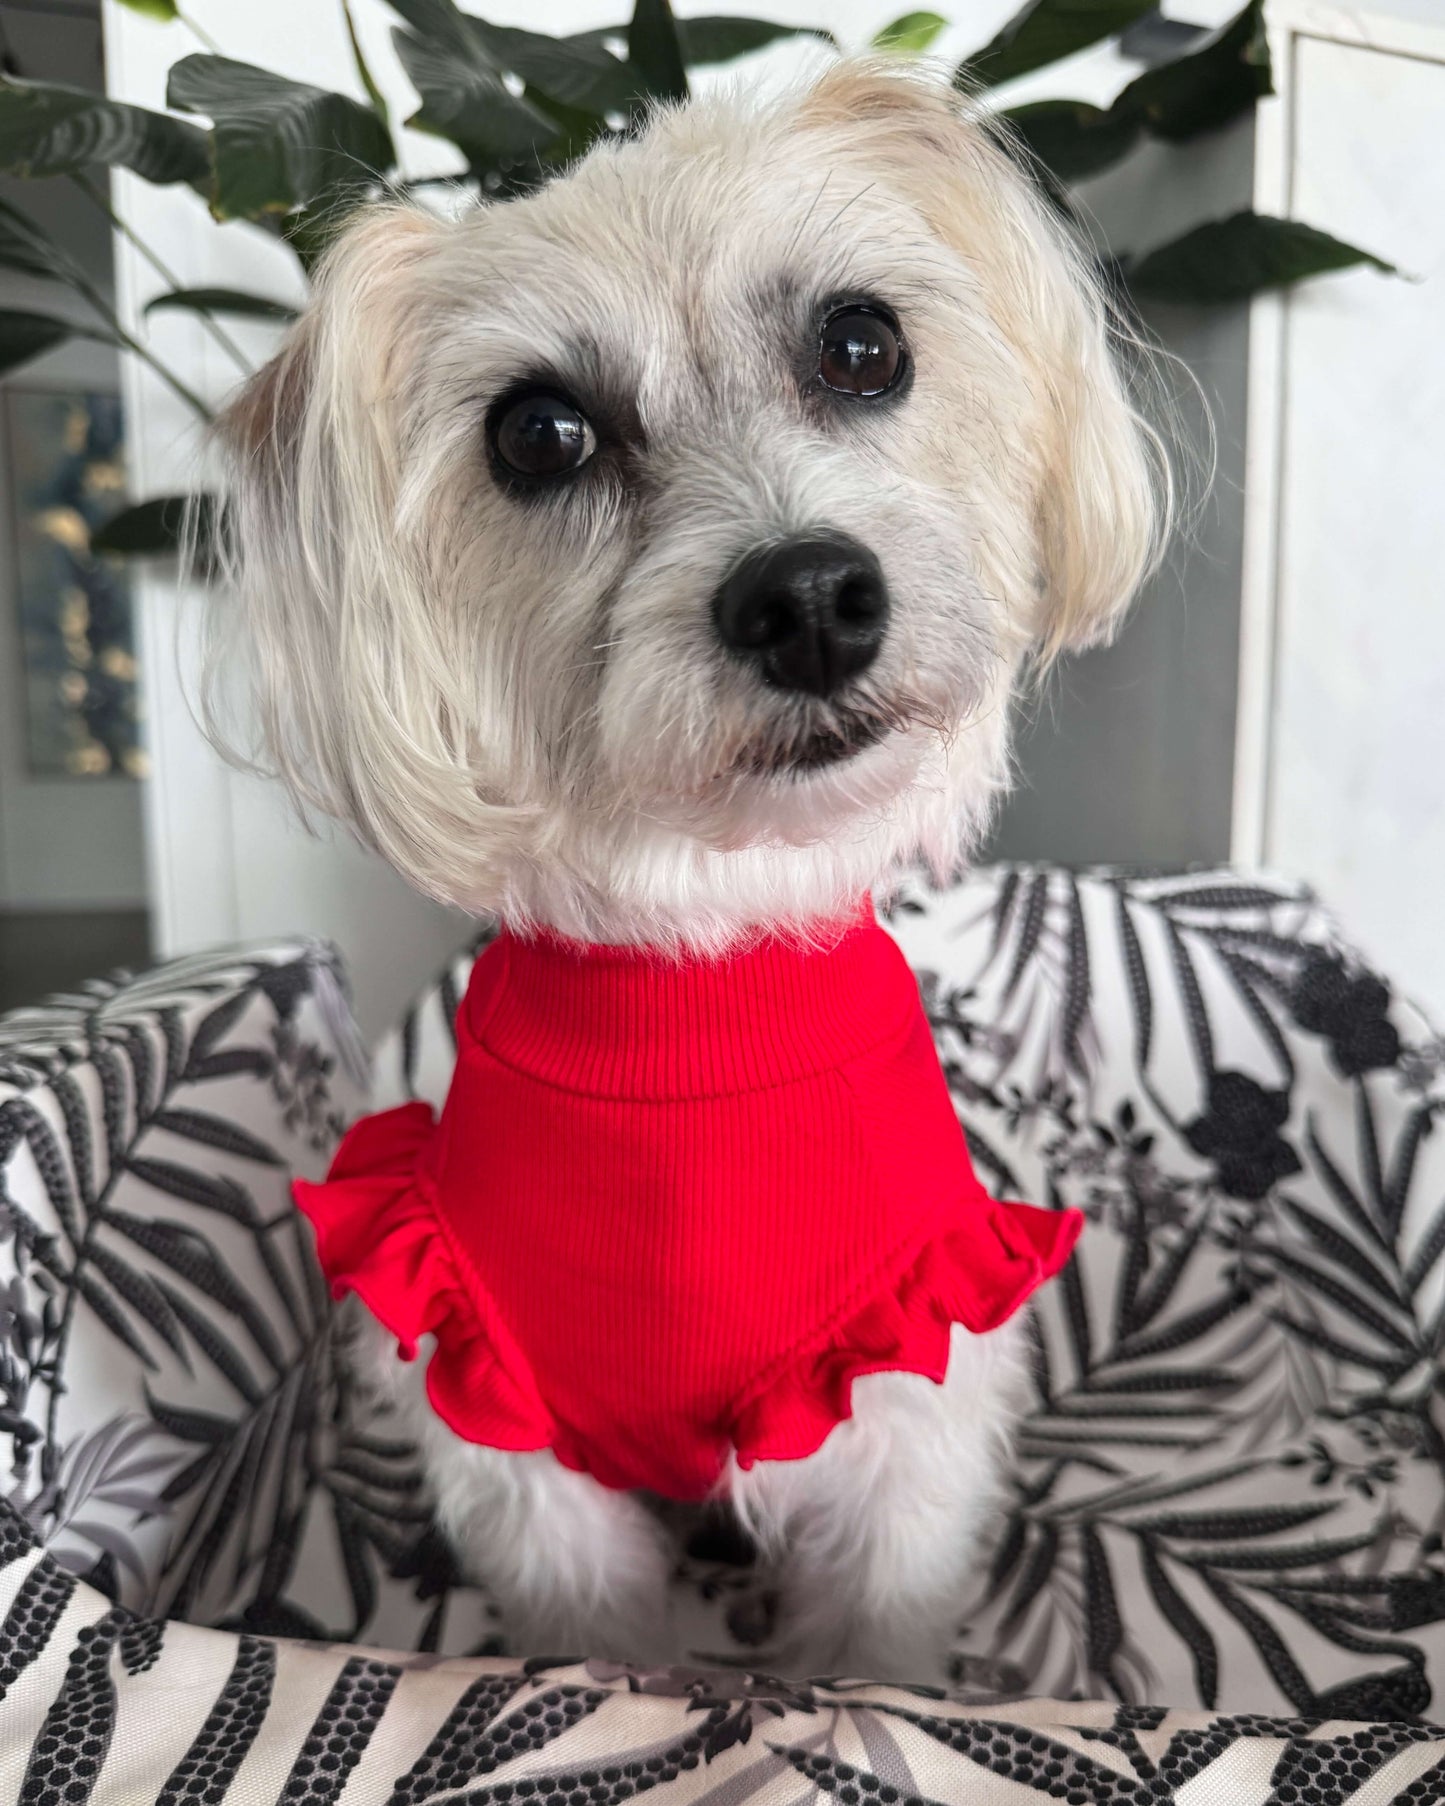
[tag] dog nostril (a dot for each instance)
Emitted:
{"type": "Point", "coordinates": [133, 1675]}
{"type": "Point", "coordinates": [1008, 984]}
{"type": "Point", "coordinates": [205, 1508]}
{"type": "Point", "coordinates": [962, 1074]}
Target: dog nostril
{"type": "Point", "coordinates": [857, 603]}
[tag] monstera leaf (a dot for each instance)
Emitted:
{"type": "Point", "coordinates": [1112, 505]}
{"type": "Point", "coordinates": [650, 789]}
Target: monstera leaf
{"type": "Point", "coordinates": [715, 37]}
{"type": "Point", "coordinates": [574, 73]}
{"type": "Point", "coordinates": [1042, 32]}
{"type": "Point", "coordinates": [47, 129]}
{"type": "Point", "coordinates": [1200, 92]}
{"type": "Point", "coordinates": [1232, 259]}
{"type": "Point", "coordinates": [277, 143]}
{"type": "Point", "coordinates": [464, 97]}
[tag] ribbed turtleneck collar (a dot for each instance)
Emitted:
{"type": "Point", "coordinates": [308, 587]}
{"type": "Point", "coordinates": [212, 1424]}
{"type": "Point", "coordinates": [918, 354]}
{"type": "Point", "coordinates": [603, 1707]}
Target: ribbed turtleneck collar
{"type": "Point", "coordinates": [632, 1022]}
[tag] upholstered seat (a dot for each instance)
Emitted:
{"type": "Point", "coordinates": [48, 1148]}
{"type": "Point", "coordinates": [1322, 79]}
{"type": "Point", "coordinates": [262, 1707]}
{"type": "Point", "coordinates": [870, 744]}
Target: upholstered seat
{"type": "Point", "coordinates": [1228, 1494]}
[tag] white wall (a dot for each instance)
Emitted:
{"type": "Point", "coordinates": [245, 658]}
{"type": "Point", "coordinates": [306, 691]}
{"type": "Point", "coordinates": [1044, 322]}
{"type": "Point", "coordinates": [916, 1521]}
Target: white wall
{"type": "Point", "coordinates": [1341, 770]}
{"type": "Point", "coordinates": [225, 862]}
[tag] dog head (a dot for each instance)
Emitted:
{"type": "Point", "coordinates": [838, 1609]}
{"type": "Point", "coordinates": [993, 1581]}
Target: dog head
{"type": "Point", "coordinates": [655, 556]}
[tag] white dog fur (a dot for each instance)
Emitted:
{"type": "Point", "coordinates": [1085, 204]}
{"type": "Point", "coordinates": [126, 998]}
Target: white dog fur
{"type": "Point", "coordinates": [523, 705]}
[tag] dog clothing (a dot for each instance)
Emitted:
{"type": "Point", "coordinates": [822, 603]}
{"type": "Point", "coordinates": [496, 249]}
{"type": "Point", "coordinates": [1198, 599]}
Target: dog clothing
{"type": "Point", "coordinates": [674, 1208]}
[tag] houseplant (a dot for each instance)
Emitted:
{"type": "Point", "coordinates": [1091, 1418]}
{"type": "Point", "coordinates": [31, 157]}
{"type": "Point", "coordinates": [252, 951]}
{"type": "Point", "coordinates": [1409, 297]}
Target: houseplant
{"type": "Point", "coordinates": [290, 159]}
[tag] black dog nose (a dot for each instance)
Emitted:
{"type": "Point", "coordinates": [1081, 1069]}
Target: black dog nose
{"type": "Point", "coordinates": [810, 613]}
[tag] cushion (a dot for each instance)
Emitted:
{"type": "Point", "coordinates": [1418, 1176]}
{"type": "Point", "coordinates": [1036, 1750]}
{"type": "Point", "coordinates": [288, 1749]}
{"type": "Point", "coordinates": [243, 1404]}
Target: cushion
{"type": "Point", "coordinates": [167, 1348]}
{"type": "Point", "coordinates": [1227, 1492]}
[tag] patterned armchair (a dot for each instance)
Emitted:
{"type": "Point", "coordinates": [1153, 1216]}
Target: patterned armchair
{"type": "Point", "coordinates": [1224, 1536]}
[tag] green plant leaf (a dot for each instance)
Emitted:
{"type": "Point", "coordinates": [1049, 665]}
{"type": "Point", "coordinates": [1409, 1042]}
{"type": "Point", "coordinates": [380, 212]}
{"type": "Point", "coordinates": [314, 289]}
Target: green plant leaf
{"type": "Point", "coordinates": [47, 129]}
{"type": "Point", "coordinates": [715, 37]}
{"type": "Point", "coordinates": [277, 144]}
{"type": "Point", "coordinates": [1209, 86]}
{"type": "Point", "coordinates": [1200, 92]}
{"type": "Point", "coordinates": [25, 245]}
{"type": "Point", "coordinates": [1042, 32]}
{"type": "Point", "coordinates": [155, 529]}
{"type": "Point", "coordinates": [360, 64]}
{"type": "Point", "coordinates": [655, 50]}
{"type": "Point", "coordinates": [1232, 259]}
{"type": "Point", "coordinates": [463, 96]}
{"type": "Point", "coordinates": [911, 35]}
{"type": "Point", "coordinates": [584, 76]}
{"type": "Point", "coordinates": [310, 232]}
{"type": "Point", "coordinates": [578, 129]}
{"type": "Point", "coordinates": [25, 335]}
{"type": "Point", "coordinates": [164, 11]}
{"type": "Point", "coordinates": [1072, 139]}
{"type": "Point", "coordinates": [578, 72]}
{"type": "Point", "coordinates": [718, 39]}
{"type": "Point", "coordinates": [221, 301]}
{"type": "Point", "coordinates": [470, 106]}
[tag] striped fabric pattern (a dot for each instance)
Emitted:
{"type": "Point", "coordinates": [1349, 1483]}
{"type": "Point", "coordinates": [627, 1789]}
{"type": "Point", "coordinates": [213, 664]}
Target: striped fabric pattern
{"type": "Point", "coordinates": [103, 1708]}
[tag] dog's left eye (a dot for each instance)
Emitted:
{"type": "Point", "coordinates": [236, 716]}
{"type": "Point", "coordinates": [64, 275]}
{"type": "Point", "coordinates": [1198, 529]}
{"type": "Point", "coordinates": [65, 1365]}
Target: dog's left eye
{"type": "Point", "coordinates": [539, 436]}
{"type": "Point", "coordinates": [860, 352]}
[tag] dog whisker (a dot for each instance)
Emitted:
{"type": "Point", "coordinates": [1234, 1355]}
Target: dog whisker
{"type": "Point", "coordinates": [802, 226]}
{"type": "Point", "coordinates": [867, 189]}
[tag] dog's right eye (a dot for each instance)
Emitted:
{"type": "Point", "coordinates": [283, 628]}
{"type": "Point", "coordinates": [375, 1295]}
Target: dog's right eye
{"type": "Point", "coordinates": [540, 436]}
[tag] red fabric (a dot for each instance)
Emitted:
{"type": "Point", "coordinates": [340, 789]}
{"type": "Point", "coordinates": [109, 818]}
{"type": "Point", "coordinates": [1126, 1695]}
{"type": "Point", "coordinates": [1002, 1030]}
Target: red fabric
{"type": "Point", "coordinates": [674, 1209]}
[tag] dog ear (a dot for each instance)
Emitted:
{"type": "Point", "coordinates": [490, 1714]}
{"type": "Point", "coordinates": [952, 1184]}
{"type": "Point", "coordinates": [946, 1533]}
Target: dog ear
{"type": "Point", "coordinates": [1099, 472]}
{"type": "Point", "coordinates": [310, 447]}
{"type": "Point", "coordinates": [263, 427]}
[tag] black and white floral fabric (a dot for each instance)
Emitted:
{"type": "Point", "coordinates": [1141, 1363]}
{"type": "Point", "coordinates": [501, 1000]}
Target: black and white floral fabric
{"type": "Point", "coordinates": [1230, 1485]}
{"type": "Point", "coordinates": [165, 1346]}
{"type": "Point", "coordinates": [1228, 1495]}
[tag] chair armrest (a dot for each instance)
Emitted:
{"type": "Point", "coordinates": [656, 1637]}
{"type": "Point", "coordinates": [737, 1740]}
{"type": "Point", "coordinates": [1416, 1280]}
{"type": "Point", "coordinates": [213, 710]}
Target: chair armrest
{"type": "Point", "coordinates": [165, 1338]}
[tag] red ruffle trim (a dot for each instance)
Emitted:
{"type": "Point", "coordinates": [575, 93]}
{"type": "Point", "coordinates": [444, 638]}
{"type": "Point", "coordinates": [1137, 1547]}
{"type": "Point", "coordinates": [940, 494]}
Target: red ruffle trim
{"type": "Point", "coordinates": [978, 1276]}
{"type": "Point", "coordinates": [380, 1235]}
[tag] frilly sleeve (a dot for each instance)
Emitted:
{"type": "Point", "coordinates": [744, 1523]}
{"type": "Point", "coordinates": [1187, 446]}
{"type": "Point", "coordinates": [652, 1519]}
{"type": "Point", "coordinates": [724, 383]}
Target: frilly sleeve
{"type": "Point", "coordinates": [379, 1234]}
{"type": "Point", "coordinates": [979, 1276]}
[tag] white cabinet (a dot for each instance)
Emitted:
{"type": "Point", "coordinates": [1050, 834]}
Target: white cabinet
{"type": "Point", "coordinates": [1340, 739]}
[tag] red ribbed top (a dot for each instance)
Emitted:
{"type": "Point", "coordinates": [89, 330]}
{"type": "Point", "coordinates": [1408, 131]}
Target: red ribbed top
{"type": "Point", "coordinates": [675, 1207]}
{"type": "Point", "coordinates": [630, 1024]}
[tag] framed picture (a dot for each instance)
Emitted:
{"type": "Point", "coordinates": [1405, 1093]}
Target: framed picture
{"type": "Point", "coordinates": [67, 478]}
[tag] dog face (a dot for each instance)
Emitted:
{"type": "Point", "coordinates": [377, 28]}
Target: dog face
{"type": "Point", "coordinates": [655, 556]}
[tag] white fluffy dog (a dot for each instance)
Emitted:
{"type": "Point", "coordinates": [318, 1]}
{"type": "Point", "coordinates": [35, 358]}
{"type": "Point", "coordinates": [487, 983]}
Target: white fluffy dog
{"type": "Point", "coordinates": [484, 507]}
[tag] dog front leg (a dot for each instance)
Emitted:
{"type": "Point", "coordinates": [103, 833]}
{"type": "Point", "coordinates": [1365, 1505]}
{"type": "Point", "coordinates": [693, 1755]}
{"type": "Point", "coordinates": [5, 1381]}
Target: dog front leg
{"type": "Point", "coordinates": [576, 1569]}
{"type": "Point", "coordinates": [877, 1534]}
